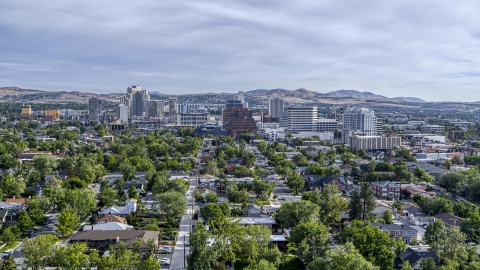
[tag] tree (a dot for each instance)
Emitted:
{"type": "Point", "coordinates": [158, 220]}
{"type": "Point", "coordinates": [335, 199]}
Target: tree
{"type": "Point", "coordinates": [12, 186]}
{"type": "Point", "coordinates": [283, 171]}
{"type": "Point", "coordinates": [149, 264]}
{"type": "Point", "coordinates": [453, 181]}
{"type": "Point", "coordinates": [376, 246]}
{"type": "Point", "coordinates": [310, 240]}
{"type": "Point", "coordinates": [211, 212]}
{"type": "Point", "coordinates": [428, 264]}
{"type": "Point", "coordinates": [7, 237]}
{"type": "Point", "coordinates": [24, 221]}
{"type": "Point", "coordinates": [333, 171]}
{"type": "Point", "coordinates": [432, 233]}
{"type": "Point", "coordinates": [261, 265]}
{"type": "Point", "coordinates": [387, 217]}
{"type": "Point", "coordinates": [171, 204]}
{"type": "Point", "coordinates": [204, 255]}
{"type": "Point", "coordinates": [71, 257]}
{"type": "Point", "coordinates": [295, 182]}
{"type": "Point", "coordinates": [107, 197]}
{"type": "Point", "coordinates": [211, 197]}
{"type": "Point", "coordinates": [133, 193]}
{"type": "Point", "coordinates": [345, 257]}
{"type": "Point", "coordinates": [37, 251]}
{"type": "Point", "coordinates": [331, 205]}
{"type": "Point", "coordinates": [406, 266]}
{"type": "Point", "coordinates": [255, 243]}
{"type": "Point", "coordinates": [362, 204]}
{"type": "Point", "coordinates": [450, 244]}
{"type": "Point", "coordinates": [68, 221]}
{"type": "Point", "coordinates": [8, 263]}
{"type": "Point", "coordinates": [44, 163]}
{"type": "Point", "coordinates": [262, 173]}
{"type": "Point", "coordinates": [292, 213]}
{"type": "Point", "coordinates": [211, 168]}
{"type": "Point", "coordinates": [423, 175]}
{"type": "Point", "coordinates": [128, 171]}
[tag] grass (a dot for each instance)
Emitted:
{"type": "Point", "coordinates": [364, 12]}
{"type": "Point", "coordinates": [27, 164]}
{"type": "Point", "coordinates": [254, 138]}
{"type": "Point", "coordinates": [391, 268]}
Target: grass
{"type": "Point", "coordinates": [10, 246]}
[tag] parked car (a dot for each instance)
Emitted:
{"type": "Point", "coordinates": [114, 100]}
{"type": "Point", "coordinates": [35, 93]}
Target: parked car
{"type": "Point", "coordinates": [7, 252]}
{"type": "Point", "coordinates": [166, 250]}
{"type": "Point", "coordinates": [164, 261]}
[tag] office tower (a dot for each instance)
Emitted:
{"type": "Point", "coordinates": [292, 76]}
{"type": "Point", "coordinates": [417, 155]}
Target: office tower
{"type": "Point", "coordinates": [26, 111]}
{"type": "Point", "coordinates": [172, 107]}
{"type": "Point", "coordinates": [275, 107]}
{"type": "Point", "coordinates": [155, 108]}
{"type": "Point", "coordinates": [360, 120]}
{"type": "Point", "coordinates": [338, 111]}
{"type": "Point", "coordinates": [135, 99]}
{"type": "Point", "coordinates": [238, 101]}
{"type": "Point", "coordinates": [51, 115]}
{"type": "Point", "coordinates": [123, 113]}
{"type": "Point", "coordinates": [301, 118]}
{"type": "Point", "coordinates": [238, 120]}
{"type": "Point", "coordinates": [94, 109]}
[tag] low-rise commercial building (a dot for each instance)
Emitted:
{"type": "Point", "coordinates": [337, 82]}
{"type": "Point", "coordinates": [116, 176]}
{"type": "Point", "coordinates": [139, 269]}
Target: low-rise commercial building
{"type": "Point", "coordinates": [374, 142]}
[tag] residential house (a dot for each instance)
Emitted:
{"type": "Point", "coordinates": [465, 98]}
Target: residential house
{"type": "Point", "coordinates": [96, 239]}
{"type": "Point", "coordinates": [433, 170]}
{"type": "Point", "coordinates": [108, 226]}
{"type": "Point", "coordinates": [411, 191]}
{"type": "Point", "coordinates": [424, 220]}
{"type": "Point", "coordinates": [121, 211]}
{"type": "Point", "coordinates": [406, 232]}
{"type": "Point", "coordinates": [176, 175]}
{"type": "Point", "coordinates": [386, 190]}
{"type": "Point", "coordinates": [15, 200]}
{"type": "Point", "coordinates": [321, 182]}
{"type": "Point", "coordinates": [380, 209]}
{"type": "Point", "coordinates": [110, 218]}
{"type": "Point", "coordinates": [449, 219]}
{"type": "Point", "coordinates": [415, 258]}
{"type": "Point", "coordinates": [280, 241]}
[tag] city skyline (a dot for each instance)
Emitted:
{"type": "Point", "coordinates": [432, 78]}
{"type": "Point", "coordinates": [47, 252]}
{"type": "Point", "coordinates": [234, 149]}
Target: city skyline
{"type": "Point", "coordinates": [392, 49]}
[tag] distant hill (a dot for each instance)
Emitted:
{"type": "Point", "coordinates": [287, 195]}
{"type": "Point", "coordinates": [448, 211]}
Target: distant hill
{"type": "Point", "coordinates": [308, 94]}
{"type": "Point", "coordinates": [302, 95]}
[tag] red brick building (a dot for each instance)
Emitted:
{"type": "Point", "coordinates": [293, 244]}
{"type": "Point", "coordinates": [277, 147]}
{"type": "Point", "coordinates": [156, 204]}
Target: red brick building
{"type": "Point", "coordinates": [238, 120]}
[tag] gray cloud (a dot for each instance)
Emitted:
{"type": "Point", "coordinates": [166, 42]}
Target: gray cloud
{"type": "Point", "coordinates": [427, 49]}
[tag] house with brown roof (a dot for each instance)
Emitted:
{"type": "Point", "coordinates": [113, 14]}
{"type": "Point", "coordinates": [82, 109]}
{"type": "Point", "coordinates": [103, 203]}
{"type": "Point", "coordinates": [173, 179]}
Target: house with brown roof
{"type": "Point", "coordinates": [14, 200]}
{"type": "Point", "coordinates": [449, 219]}
{"type": "Point", "coordinates": [110, 218]}
{"type": "Point", "coordinates": [97, 239]}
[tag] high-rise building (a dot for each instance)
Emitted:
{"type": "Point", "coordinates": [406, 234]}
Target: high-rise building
{"type": "Point", "coordinates": [360, 120]}
{"type": "Point", "coordinates": [338, 111]}
{"type": "Point", "coordinates": [155, 108]}
{"type": "Point", "coordinates": [185, 108]}
{"type": "Point", "coordinates": [172, 108]}
{"type": "Point", "coordinates": [135, 99]}
{"type": "Point", "coordinates": [238, 101]}
{"type": "Point", "coordinates": [94, 109]}
{"type": "Point", "coordinates": [26, 111]}
{"type": "Point", "coordinates": [238, 120]}
{"type": "Point", "coordinates": [51, 115]}
{"type": "Point", "coordinates": [275, 107]}
{"type": "Point", "coordinates": [326, 125]}
{"type": "Point", "coordinates": [301, 118]}
{"type": "Point", "coordinates": [123, 113]}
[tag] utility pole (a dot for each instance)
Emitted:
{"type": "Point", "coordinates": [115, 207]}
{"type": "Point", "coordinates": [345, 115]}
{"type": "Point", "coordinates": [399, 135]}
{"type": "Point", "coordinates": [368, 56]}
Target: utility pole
{"type": "Point", "coordinates": [184, 253]}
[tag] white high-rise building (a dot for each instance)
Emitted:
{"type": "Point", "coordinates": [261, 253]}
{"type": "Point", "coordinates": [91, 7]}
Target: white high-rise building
{"type": "Point", "coordinates": [361, 120]}
{"type": "Point", "coordinates": [136, 99]}
{"type": "Point", "coordinates": [301, 118]}
{"type": "Point", "coordinates": [275, 107]}
{"type": "Point", "coordinates": [123, 113]}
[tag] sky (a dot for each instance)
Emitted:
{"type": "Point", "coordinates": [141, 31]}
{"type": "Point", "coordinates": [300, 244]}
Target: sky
{"type": "Point", "coordinates": [427, 49]}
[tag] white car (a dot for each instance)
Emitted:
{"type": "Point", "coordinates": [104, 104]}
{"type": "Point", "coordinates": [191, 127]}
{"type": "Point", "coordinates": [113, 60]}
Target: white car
{"type": "Point", "coordinates": [164, 261]}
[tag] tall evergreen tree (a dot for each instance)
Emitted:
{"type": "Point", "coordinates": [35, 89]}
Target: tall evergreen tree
{"type": "Point", "coordinates": [362, 204]}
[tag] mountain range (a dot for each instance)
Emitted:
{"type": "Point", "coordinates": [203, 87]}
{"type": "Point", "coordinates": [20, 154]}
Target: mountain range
{"type": "Point", "coordinates": [16, 94]}
{"type": "Point", "coordinates": [353, 94]}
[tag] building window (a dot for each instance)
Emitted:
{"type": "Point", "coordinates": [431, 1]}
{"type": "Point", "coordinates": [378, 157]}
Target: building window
{"type": "Point", "coordinates": [397, 232]}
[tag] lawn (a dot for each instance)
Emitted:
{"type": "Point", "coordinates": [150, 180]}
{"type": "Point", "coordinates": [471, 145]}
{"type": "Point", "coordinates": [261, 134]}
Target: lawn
{"type": "Point", "coordinates": [10, 246]}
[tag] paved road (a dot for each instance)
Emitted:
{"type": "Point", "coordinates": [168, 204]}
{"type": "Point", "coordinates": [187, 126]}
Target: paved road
{"type": "Point", "coordinates": [180, 250]}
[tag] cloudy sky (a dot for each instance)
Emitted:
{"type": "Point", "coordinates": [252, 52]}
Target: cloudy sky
{"type": "Point", "coordinates": [427, 49]}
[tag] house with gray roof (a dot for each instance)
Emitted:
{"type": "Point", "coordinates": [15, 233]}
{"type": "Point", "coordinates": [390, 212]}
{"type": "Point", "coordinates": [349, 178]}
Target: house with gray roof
{"type": "Point", "coordinates": [406, 232]}
{"type": "Point", "coordinates": [415, 258]}
{"type": "Point", "coordinates": [108, 226]}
